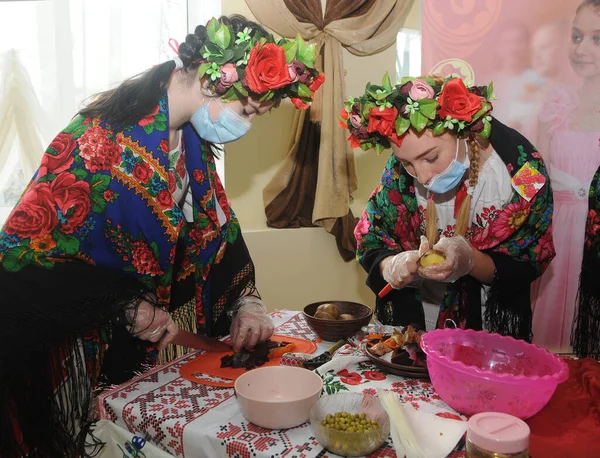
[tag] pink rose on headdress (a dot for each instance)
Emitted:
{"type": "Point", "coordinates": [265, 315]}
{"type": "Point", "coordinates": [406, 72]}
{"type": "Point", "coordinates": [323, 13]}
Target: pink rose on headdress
{"type": "Point", "coordinates": [420, 90]}
{"type": "Point", "coordinates": [356, 120]}
{"type": "Point", "coordinates": [229, 75]}
{"type": "Point", "coordinates": [296, 69]}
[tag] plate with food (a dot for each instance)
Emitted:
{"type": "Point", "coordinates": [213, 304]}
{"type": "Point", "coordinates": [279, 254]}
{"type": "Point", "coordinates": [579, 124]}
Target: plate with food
{"type": "Point", "coordinates": [399, 352]}
{"type": "Point", "coordinates": [228, 366]}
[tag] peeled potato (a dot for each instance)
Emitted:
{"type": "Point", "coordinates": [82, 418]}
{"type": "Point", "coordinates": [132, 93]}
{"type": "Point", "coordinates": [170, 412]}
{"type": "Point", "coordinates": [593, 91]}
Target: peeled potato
{"type": "Point", "coordinates": [331, 309]}
{"type": "Point", "coordinates": [324, 315]}
{"type": "Point", "coordinates": [431, 259]}
{"type": "Point", "coordinates": [346, 316]}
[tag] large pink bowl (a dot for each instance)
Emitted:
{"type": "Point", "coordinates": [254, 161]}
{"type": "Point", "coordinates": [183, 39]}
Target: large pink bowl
{"type": "Point", "coordinates": [476, 371]}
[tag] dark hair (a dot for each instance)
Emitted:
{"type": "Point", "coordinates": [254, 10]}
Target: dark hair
{"type": "Point", "coordinates": [137, 96]}
{"type": "Point", "coordinates": [592, 3]}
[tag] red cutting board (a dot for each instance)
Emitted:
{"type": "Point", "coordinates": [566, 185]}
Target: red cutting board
{"type": "Point", "coordinates": [209, 363]}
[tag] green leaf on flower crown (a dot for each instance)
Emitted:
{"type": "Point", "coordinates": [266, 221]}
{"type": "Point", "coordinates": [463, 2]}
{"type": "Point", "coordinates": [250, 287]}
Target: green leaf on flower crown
{"type": "Point", "coordinates": [487, 128]}
{"type": "Point", "coordinates": [240, 88]}
{"type": "Point", "coordinates": [348, 105]}
{"type": "Point", "coordinates": [202, 69]}
{"type": "Point", "coordinates": [429, 81]}
{"type": "Point", "coordinates": [418, 121]}
{"type": "Point", "coordinates": [379, 148]}
{"type": "Point", "coordinates": [212, 49]}
{"type": "Point", "coordinates": [438, 128]}
{"type": "Point", "coordinates": [490, 91]}
{"type": "Point", "coordinates": [290, 48]}
{"type": "Point", "coordinates": [386, 82]}
{"type": "Point", "coordinates": [266, 96]}
{"type": "Point", "coordinates": [68, 244]}
{"type": "Point", "coordinates": [306, 53]}
{"type": "Point", "coordinates": [261, 41]}
{"type": "Point", "coordinates": [226, 56]}
{"type": "Point", "coordinates": [211, 29]}
{"type": "Point", "coordinates": [485, 107]}
{"type": "Point", "coordinates": [366, 146]}
{"type": "Point", "coordinates": [239, 51]}
{"type": "Point", "coordinates": [304, 91]}
{"type": "Point", "coordinates": [406, 79]}
{"type": "Point", "coordinates": [230, 95]}
{"type": "Point", "coordinates": [402, 125]}
{"type": "Point", "coordinates": [367, 109]}
{"type": "Point", "coordinates": [222, 37]}
{"type": "Point", "coordinates": [427, 107]}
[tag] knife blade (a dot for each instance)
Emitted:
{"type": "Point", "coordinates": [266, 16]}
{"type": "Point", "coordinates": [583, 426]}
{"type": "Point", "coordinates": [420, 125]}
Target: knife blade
{"type": "Point", "coordinates": [200, 342]}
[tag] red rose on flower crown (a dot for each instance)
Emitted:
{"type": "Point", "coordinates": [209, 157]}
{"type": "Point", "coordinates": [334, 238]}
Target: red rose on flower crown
{"type": "Point", "coordinates": [253, 64]}
{"type": "Point", "coordinates": [383, 114]}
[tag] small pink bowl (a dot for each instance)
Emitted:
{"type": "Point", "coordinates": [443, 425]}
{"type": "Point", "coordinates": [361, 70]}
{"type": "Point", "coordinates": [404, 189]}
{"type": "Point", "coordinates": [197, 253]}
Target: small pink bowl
{"type": "Point", "coordinates": [476, 371]}
{"type": "Point", "coordinates": [278, 397]}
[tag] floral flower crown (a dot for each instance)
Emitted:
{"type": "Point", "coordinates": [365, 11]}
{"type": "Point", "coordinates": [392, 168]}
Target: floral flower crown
{"type": "Point", "coordinates": [251, 63]}
{"type": "Point", "coordinates": [383, 114]}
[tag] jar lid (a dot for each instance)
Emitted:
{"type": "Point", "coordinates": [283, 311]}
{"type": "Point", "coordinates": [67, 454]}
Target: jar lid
{"type": "Point", "coordinates": [498, 432]}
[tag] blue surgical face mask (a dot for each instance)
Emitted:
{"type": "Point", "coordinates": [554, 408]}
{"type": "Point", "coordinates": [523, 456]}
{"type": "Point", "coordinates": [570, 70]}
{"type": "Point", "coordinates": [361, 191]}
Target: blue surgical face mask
{"type": "Point", "coordinates": [451, 177]}
{"type": "Point", "coordinates": [229, 127]}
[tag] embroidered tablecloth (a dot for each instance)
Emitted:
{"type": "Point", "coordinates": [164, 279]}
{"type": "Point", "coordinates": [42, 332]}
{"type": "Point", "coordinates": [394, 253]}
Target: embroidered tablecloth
{"type": "Point", "coordinates": [190, 420]}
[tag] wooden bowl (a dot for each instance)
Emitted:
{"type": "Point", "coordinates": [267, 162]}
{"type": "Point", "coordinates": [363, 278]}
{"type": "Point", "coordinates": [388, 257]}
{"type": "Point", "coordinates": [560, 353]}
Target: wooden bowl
{"type": "Point", "coordinates": [334, 330]}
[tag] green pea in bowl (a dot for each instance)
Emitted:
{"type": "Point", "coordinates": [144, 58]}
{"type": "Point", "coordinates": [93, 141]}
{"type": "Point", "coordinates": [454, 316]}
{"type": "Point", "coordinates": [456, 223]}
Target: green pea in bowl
{"type": "Point", "coordinates": [350, 424]}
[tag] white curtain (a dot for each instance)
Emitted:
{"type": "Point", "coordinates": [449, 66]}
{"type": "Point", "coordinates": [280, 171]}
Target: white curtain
{"type": "Point", "coordinates": [72, 49]}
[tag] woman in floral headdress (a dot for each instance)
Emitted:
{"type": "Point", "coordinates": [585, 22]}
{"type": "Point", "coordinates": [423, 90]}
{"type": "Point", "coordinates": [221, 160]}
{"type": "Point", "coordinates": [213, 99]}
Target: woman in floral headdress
{"type": "Point", "coordinates": [477, 189]}
{"type": "Point", "coordinates": [125, 233]}
{"type": "Point", "coordinates": [567, 296]}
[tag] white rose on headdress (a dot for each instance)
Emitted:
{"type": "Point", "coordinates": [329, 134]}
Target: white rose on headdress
{"type": "Point", "coordinates": [420, 90]}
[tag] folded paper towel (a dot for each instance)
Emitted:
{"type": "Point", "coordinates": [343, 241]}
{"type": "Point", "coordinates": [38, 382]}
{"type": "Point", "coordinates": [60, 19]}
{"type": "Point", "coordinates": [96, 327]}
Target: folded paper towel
{"type": "Point", "coordinates": [419, 434]}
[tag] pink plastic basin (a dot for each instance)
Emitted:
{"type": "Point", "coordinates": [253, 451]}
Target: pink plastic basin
{"type": "Point", "coordinates": [476, 371]}
{"type": "Point", "coordinates": [277, 397]}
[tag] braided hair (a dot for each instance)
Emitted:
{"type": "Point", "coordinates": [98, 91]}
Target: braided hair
{"type": "Point", "coordinates": [137, 96]}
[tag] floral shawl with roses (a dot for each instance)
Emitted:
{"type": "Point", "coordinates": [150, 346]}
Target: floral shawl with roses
{"type": "Point", "coordinates": [519, 241]}
{"type": "Point", "coordinates": [96, 229]}
{"type": "Point", "coordinates": [585, 337]}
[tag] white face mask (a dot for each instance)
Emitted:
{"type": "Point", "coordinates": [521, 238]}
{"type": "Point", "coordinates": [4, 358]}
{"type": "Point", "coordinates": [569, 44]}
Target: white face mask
{"type": "Point", "coordinates": [229, 127]}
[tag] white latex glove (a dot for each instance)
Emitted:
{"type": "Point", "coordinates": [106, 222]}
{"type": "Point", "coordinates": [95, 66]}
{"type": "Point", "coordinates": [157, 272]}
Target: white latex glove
{"type": "Point", "coordinates": [401, 270]}
{"type": "Point", "coordinates": [251, 324]}
{"type": "Point", "coordinates": [460, 260]}
{"type": "Point", "coordinates": [152, 323]}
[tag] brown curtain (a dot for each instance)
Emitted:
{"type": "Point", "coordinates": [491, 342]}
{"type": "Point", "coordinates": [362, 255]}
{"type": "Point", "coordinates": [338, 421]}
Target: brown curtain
{"type": "Point", "coordinates": [314, 185]}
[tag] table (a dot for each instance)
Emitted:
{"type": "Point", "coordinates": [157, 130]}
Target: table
{"type": "Point", "coordinates": [190, 420]}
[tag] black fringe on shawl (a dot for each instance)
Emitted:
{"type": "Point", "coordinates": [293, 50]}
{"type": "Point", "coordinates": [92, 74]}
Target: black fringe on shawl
{"type": "Point", "coordinates": [585, 333]}
{"type": "Point", "coordinates": [45, 384]}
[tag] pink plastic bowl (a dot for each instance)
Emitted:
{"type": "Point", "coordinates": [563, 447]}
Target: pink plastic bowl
{"type": "Point", "coordinates": [277, 397]}
{"type": "Point", "coordinates": [475, 371]}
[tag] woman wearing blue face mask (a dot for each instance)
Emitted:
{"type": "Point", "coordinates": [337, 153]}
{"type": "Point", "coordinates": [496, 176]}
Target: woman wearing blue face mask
{"type": "Point", "coordinates": [124, 236]}
{"type": "Point", "coordinates": [459, 183]}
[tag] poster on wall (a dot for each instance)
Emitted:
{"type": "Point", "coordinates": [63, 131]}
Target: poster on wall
{"type": "Point", "coordinates": [520, 45]}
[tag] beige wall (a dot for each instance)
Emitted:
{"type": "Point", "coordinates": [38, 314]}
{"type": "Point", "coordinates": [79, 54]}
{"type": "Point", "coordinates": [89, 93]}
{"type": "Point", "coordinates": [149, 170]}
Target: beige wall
{"type": "Point", "coordinates": [298, 266]}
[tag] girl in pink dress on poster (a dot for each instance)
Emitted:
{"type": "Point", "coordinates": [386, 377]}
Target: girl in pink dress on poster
{"type": "Point", "coordinates": [570, 143]}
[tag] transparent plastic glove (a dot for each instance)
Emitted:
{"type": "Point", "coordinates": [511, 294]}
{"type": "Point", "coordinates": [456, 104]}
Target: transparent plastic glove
{"type": "Point", "coordinates": [152, 323]}
{"type": "Point", "coordinates": [251, 324]}
{"type": "Point", "coordinates": [401, 270]}
{"type": "Point", "coordinates": [460, 260]}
